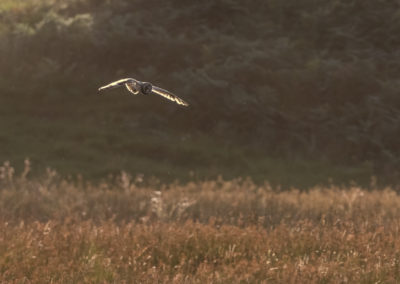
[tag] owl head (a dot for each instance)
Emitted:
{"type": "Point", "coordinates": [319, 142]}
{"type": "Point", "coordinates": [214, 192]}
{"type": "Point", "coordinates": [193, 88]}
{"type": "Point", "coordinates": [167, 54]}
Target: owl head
{"type": "Point", "coordinates": [146, 88]}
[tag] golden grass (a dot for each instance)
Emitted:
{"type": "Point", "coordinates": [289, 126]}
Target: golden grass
{"type": "Point", "coordinates": [125, 231]}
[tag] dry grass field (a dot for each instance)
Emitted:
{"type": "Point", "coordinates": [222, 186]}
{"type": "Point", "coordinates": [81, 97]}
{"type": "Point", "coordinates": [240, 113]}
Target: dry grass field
{"type": "Point", "coordinates": [127, 230]}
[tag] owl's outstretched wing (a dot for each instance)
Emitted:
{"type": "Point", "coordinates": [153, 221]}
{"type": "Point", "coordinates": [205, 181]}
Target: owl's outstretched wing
{"type": "Point", "coordinates": [168, 95]}
{"type": "Point", "coordinates": [117, 84]}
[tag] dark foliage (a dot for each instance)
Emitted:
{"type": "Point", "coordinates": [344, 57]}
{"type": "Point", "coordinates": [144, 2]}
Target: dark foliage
{"type": "Point", "coordinates": [316, 78]}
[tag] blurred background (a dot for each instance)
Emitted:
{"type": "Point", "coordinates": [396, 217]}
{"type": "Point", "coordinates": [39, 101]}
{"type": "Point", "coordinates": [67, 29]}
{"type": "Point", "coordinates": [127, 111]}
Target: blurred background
{"type": "Point", "coordinates": [294, 92]}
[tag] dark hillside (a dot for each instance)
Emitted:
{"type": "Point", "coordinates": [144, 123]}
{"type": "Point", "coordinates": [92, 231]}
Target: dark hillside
{"type": "Point", "coordinates": [311, 79]}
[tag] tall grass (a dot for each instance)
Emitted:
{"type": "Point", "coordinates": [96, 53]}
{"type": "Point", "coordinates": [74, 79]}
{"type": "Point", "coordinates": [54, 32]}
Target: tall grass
{"type": "Point", "coordinates": [128, 230]}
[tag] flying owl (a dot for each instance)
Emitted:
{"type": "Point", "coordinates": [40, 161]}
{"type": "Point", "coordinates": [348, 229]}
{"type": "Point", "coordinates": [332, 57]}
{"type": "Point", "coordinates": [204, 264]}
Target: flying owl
{"type": "Point", "coordinates": [144, 88]}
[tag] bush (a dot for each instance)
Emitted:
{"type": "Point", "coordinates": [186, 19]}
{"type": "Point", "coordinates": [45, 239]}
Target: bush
{"type": "Point", "coordinates": [314, 78]}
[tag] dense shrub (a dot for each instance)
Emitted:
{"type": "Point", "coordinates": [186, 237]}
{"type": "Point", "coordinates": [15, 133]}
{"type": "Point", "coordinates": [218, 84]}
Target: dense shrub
{"type": "Point", "coordinates": [319, 78]}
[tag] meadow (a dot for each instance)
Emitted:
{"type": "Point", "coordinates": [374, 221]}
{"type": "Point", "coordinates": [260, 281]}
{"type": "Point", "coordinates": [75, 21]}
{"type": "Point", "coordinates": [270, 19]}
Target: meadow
{"type": "Point", "coordinates": [129, 230]}
{"type": "Point", "coordinates": [284, 169]}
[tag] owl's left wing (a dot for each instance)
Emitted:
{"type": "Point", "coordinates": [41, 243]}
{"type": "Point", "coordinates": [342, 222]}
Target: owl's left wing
{"type": "Point", "coordinates": [168, 95]}
{"type": "Point", "coordinates": [118, 83]}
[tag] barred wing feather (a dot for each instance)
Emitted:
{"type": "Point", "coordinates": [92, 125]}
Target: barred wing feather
{"type": "Point", "coordinates": [116, 84]}
{"type": "Point", "coordinates": [169, 96]}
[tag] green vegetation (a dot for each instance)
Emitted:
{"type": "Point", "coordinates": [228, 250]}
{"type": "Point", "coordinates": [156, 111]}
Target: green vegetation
{"type": "Point", "coordinates": [124, 230]}
{"type": "Point", "coordinates": [269, 82]}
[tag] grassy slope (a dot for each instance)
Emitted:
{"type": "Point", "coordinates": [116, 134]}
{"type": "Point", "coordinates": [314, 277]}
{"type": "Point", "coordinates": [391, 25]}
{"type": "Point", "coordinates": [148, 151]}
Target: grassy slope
{"type": "Point", "coordinates": [101, 142]}
{"type": "Point", "coordinates": [95, 152]}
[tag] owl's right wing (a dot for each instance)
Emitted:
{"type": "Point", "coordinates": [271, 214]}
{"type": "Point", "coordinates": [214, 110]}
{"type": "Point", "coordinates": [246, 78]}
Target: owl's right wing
{"type": "Point", "coordinates": [168, 95]}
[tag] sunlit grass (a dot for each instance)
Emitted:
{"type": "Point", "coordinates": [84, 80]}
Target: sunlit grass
{"type": "Point", "coordinates": [201, 253]}
{"type": "Point", "coordinates": [133, 230]}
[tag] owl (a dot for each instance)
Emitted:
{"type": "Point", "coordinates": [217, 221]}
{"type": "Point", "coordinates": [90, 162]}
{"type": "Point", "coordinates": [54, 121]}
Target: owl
{"type": "Point", "coordinates": [144, 88]}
